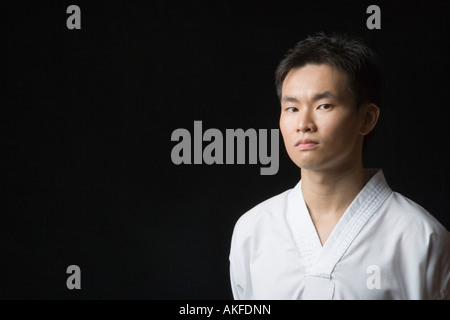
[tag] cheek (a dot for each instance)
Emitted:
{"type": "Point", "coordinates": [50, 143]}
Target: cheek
{"type": "Point", "coordinates": [283, 126]}
{"type": "Point", "coordinates": [287, 128]}
{"type": "Point", "coordinates": [342, 131]}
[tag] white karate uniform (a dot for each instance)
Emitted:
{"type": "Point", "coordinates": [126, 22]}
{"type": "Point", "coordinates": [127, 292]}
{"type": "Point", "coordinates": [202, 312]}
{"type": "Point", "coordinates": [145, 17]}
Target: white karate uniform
{"type": "Point", "coordinates": [385, 246]}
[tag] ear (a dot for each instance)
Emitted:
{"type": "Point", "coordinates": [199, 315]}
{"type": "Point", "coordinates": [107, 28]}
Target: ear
{"type": "Point", "coordinates": [369, 114]}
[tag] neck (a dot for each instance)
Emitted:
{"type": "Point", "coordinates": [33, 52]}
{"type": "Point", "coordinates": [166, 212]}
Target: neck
{"type": "Point", "coordinates": [329, 193]}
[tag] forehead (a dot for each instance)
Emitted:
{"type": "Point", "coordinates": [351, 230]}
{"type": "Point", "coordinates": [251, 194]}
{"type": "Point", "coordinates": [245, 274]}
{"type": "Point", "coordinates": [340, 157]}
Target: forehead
{"type": "Point", "coordinates": [308, 80]}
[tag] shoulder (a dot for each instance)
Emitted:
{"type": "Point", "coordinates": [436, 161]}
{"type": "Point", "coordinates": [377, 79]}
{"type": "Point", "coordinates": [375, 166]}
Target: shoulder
{"type": "Point", "coordinates": [416, 230]}
{"type": "Point", "coordinates": [272, 207]}
{"type": "Point", "coordinates": [423, 240]}
{"type": "Point", "coordinates": [407, 213]}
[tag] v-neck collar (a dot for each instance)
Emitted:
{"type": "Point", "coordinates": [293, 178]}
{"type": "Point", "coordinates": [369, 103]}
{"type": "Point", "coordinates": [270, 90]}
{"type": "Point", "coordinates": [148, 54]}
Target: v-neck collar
{"type": "Point", "coordinates": [320, 260]}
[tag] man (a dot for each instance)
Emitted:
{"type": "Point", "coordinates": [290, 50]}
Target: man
{"type": "Point", "coordinates": [341, 232]}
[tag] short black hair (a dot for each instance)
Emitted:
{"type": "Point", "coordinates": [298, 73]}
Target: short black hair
{"type": "Point", "coordinates": [349, 55]}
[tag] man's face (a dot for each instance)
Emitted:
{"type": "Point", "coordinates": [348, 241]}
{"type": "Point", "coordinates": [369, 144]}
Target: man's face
{"type": "Point", "coordinates": [319, 122]}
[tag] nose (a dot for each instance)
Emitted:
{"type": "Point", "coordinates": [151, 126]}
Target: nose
{"type": "Point", "coordinates": [305, 122]}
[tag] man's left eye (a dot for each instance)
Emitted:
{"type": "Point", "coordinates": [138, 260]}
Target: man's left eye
{"type": "Point", "coordinates": [324, 106]}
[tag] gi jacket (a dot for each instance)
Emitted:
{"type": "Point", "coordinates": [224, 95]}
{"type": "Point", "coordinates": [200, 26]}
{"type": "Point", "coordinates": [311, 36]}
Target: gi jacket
{"type": "Point", "coordinates": [385, 246]}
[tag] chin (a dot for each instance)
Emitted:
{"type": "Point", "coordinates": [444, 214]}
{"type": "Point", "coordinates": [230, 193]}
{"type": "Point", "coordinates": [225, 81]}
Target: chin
{"type": "Point", "coordinates": [312, 164]}
{"type": "Point", "coordinates": [307, 165]}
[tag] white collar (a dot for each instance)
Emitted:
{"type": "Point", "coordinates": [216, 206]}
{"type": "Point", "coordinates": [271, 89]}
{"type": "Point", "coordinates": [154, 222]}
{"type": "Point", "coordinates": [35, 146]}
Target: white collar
{"type": "Point", "coordinates": [321, 260]}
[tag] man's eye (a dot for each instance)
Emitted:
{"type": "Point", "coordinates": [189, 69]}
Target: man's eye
{"type": "Point", "coordinates": [291, 109]}
{"type": "Point", "coordinates": [324, 106]}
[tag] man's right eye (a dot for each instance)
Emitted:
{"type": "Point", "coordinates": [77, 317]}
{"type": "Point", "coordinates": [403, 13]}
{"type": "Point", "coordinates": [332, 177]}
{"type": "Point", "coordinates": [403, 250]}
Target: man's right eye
{"type": "Point", "coordinates": [291, 109]}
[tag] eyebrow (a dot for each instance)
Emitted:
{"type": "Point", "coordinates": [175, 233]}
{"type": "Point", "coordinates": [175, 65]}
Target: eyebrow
{"type": "Point", "coordinates": [323, 95]}
{"type": "Point", "coordinates": [317, 96]}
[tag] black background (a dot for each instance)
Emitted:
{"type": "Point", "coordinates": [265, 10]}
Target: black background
{"type": "Point", "coordinates": [87, 116]}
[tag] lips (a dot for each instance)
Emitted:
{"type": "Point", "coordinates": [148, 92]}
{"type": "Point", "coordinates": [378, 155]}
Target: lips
{"type": "Point", "coordinates": [306, 144]}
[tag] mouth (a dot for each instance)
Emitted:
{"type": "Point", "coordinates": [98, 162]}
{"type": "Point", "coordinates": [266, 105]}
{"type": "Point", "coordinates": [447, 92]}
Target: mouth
{"type": "Point", "coordinates": [306, 144]}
